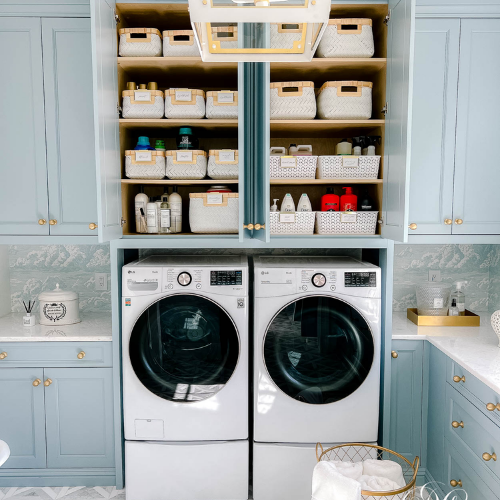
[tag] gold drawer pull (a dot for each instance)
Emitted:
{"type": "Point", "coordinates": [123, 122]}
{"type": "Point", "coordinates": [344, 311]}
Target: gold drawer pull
{"type": "Point", "coordinates": [456, 424]}
{"type": "Point", "coordinates": [394, 354]}
{"type": "Point", "coordinates": [92, 226]}
{"type": "Point", "coordinates": [52, 222]}
{"type": "Point", "coordinates": [448, 222]}
{"type": "Point", "coordinates": [458, 379]}
{"type": "Point", "coordinates": [81, 355]}
{"type": "Point", "coordinates": [260, 226]}
{"type": "Point", "coordinates": [42, 222]}
{"type": "Point", "coordinates": [459, 221]}
{"type": "Point", "coordinates": [493, 406]}
{"type": "Point", "coordinates": [413, 226]}
{"type": "Point", "coordinates": [47, 382]}
{"type": "Point", "coordinates": [456, 483]}
{"type": "Point", "coordinates": [248, 226]}
{"type": "Point", "coordinates": [3, 355]}
{"type": "Point", "coordinates": [487, 457]}
{"type": "Point", "coordinates": [36, 382]}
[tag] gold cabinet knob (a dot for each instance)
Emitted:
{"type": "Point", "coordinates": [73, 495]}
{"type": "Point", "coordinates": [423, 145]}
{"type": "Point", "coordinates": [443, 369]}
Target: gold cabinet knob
{"type": "Point", "coordinates": [487, 457]}
{"type": "Point", "coordinates": [47, 382]}
{"type": "Point", "coordinates": [36, 382]}
{"type": "Point", "coordinates": [394, 354]}
{"type": "Point", "coordinates": [456, 424]}
{"type": "Point", "coordinates": [3, 355]}
{"type": "Point", "coordinates": [92, 226]}
{"type": "Point", "coordinates": [448, 222]}
{"type": "Point", "coordinates": [42, 222]}
{"type": "Point", "coordinates": [493, 407]}
{"type": "Point", "coordinates": [458, 379]}
{"type": "Point", "coordinates": [248, 226]}
{"type": "Point", "coordinates": [413, 226]}
{"type": "Point", "coordinates": [456, 483]}
{"type": "Point", "coordinates": [81, 355]}
{"type": "Point", "coordinates": [459, 221]}
{"type": "Point", "coordinates": [52, 222]}
{"type": "Point", "coordinates": [259, 226]}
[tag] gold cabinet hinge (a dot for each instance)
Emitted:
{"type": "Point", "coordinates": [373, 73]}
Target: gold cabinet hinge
{"type": "Point", "coordinates": [123, 221]}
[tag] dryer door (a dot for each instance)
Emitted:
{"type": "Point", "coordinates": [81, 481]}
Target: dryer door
{"type": "Point", "coordinates": [318, 350]}
{"type": "Point", "coordinates": [184, 348]}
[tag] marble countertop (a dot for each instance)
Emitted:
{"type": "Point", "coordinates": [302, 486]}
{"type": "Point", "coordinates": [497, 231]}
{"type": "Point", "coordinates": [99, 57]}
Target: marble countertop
{"type": "Point", "coordinates": [95, 327]}
{"type": "Point", "coordinates": [474, 348]}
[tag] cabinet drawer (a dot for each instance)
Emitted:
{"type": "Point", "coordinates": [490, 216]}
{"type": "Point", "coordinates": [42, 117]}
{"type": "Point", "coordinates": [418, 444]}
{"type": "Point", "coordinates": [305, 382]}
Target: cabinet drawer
{"type": "Point", "coordinates": [477, 437]}
{"type": "Point", "coordinates": [56, 354]}
{"type": "Point", "coordinates": [474, 390]}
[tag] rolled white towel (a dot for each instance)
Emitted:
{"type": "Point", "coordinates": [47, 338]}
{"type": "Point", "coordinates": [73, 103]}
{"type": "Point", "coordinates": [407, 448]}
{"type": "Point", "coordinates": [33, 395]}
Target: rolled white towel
{"type": "Point", "coordinates": [328, 484]}
{"type": "Point", "coordinates": [384, 468]}
{"type": "Point", "coordinates": [377, 483]}
{"type": "Point", "coordinates": [354, 470]}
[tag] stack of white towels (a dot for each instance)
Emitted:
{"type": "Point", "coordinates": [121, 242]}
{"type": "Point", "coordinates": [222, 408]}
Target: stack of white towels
{"type": "Point", "coordinates": [336, 480]}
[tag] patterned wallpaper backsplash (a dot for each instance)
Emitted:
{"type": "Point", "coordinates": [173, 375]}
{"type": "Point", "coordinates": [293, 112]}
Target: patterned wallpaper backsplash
{"type": "Point", "coordinates": [37, 268]}
{"type": "Point", "coordinates": [477, 264]}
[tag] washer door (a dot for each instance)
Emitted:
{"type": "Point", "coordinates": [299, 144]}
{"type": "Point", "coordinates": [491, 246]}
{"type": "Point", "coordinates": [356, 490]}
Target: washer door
{"type": "Point", "coordinates": [184, 348]}
{"type": "Point", "coordinates": [318, 350]}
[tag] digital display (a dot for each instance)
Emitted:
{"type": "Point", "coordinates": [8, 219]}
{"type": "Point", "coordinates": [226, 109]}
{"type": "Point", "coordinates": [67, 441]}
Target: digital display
{"type": "Point", "coordinates": [360, 279]}
{"type": "Point", "coordinates": [221, 278]}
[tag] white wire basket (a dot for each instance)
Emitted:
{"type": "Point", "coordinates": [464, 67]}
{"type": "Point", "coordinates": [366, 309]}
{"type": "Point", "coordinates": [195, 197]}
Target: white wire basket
{"type": "Point", "coordinates": [348, 167]}
{"type": "Point", "coordinates": [346, 222]}
{"type": "Point", "coordinates": [302, 223]}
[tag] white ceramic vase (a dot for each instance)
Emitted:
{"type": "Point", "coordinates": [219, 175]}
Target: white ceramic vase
{"type": "Point", "coordinates": [495, 323]}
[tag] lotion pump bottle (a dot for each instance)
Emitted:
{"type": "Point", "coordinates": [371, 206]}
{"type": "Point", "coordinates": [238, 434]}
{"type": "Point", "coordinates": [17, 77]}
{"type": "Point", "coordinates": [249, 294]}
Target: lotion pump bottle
{"type": "Point", "coordinates": [288, 204]}
{"type": "Point", "coordinates": [459, 297]}
{"type": "Point", "coordinates": [453, 310]}
{"type": "Point", "coordinates": [305, 203]}
{"type": "Point", "coordinates": [274, 206]}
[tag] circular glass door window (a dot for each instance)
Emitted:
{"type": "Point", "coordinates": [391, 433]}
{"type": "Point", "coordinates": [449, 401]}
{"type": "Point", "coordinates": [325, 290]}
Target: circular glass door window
{"type": "Point", "coordinates": [318, 350]}
{"type": "Point", "coordinates": [184, 348]}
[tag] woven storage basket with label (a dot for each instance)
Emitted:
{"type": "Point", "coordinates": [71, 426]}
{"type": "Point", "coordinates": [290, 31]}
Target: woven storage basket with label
{"type": "Point", "coordinates": [139, 42]}
{"type": "Point", "coordinates": [186, 164]}
{"type": "Point", "coordinates": [299, 222]}
{"type": "Point", "coordinates": [285, 35]}
{"type": "Point", "coordinates": [223, 164]}
{"type": "Point", "coordinates": [142, 104]}
{"type": "Point", "coordinates": [348, 167]}
{"type": "Point", "coordinates": [214, 213]}
{"type": "Point", "coordinates": [225, 37]}
{"type": "Point", "coordinates": [293, 101]}
{"type": "Point", "coordinates": [347, 38]}
{"type": "Point", "coordinates": [346, 222]}
{"type": "Point", "coordinates": [184, 103]}
{"type": "Point", "coordinates": [348, 100]}
{"type": "Point", "coordinates": [222, 104]}
{"type": "Point", "coordinates": [141, 164]}
{"type": "Point", "coordinates": [180, 43]}
{"type": "Point", "coordinates": [293, 167]}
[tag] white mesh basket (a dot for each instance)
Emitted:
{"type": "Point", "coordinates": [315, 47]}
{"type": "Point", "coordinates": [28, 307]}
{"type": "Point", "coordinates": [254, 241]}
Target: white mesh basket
{"type": "Point", "coordinates": [347, 38]}
{"type": "Point", "coordinates": [215, 213]}
{"type": "Point", "coordinates": [184, 103]}
{"type": "Point", "coordinates": [225, 37]}
{"type": "Point", "coordinates": [142, 104]}
{"type": "Point", "coordinates": [139, 42]}
{"type": "Point", "coordinates": [180, 43]}
{"type": "Point", "coordinates": [284, 35]}
{"type": "Point", "coordinates": [222, 104]}
{"type": "Point", "coordinates": [186, 164]}
{"type": "Point", "coordinates": [348, 167]}
{"type": "Point", "coordinates": [300, 223]}
{"type": "Point", "coordinates": [293, 101]}
{"type": "Point", "coordinates": [223, 164]}
{"type": "Point", "coordinates": [347, 100]}
{"type": "Point", "coordinates": [293, 167]}
{"type": "Point", "coordinates": [346, 222]}
{"type": "Point", "coordinates": [145, 164]}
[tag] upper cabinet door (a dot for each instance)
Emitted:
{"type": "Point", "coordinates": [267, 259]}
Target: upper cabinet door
{"type": "Point", "coordinates": [476, 201]}
{"type": "Point", "coordinates": [23, 196]}
{"type": "Point", "coordinates": [107, 134]}
{"type": "Point", "coordinates": [69, 121]}
{"type": "Point", "coordinates": [435, 82]}
{"type": "Point", "coordinates": [400, 43]}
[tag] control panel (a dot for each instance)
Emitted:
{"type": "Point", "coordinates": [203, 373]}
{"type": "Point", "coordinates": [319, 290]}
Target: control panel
{"type": "Point", "coordinates": [226, 278]}
{"type": "Point", "coordinates": [360, 280]}
{"type": "Point", "coordinates": [314, 280]}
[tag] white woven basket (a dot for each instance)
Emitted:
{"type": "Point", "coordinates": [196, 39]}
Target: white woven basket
{"type": "Point", "coordinates": [335, 223]}
{"type": "Point", "coordinates": [293, 101]}
{"type": "Point", "coordinates": [336, 100]}
{"type": "Point", "coordinates": [184, 103]}
{"type": "Point", "coordinates": [139, 42]}
{"type": "Point", "coordinates": [142, 104]}
{"type": "Point", "coordinates": [145, 164]}
{"type": "Point", "coordinates": [303, 223]}
{"type": "Point", "coordinates": [214, 213]}
{"type": "Point", "coordinates": [223, 104]}
{"type": "Point", "coordinates": [225, 37]}
{"type": "Point", "coordinates": [223, 164]}
{"type": "Point", "coordinates": [283, 35]}
{"type": "Point", "coordinates": [347, 38]}
{"type": "Point", "coordinates": [337, 167]}
{"type": "Point", "coordinates": [180, 43]}
{"type": "Point", "coordinates": [186, 164]}
{"type": "Point", "coordinates": [293, 167]}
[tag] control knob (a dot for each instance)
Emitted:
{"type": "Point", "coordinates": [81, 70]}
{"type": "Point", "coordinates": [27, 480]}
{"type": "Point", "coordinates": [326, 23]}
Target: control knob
{"type": "Point", "coordinates": [318, 280]}
{"type": "Point", "coordinates": [184, 279]}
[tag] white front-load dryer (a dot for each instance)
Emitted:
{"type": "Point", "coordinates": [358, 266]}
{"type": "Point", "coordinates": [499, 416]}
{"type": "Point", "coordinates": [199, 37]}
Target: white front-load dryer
{"type": "Point", "coordinates": [185, 378]}
{"type": "Point", "coordinates": [316, 365]}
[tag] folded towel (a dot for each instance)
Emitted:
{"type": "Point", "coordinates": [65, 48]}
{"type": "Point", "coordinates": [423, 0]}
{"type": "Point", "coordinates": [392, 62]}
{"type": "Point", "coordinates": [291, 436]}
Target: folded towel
{"type": "Point", "coordinates": [329, 484]}
{"type": "Point", "coordinates": [384, 468]}
{"type": "Point", "coordinates": [377, 483]}
{"type": "Point", "coordinates": [354, 470]}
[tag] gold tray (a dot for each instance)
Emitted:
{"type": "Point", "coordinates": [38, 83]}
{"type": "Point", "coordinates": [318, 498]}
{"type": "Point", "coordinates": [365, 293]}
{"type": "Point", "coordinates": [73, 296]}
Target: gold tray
{"type": "Point", "coordinates": [470, 319]}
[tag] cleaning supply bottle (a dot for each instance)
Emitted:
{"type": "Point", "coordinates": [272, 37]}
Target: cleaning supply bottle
{"type": "Point", "coordinates": [175, 201]}
{"type": "Point", "coordinates": [304, 204]}
{"type": "Point", "coordinates": [152, 217]}
{"type": "Point", "coordinates": [186, 139]}
{"type": "Point", "coordinates": [287, 204]}
{"type": "Point", "coordinates": [160, 145]}
{"type": "Point", "coordinates": [459, 297]}
{"type": "Point", "coordinates": [357, 143]}
{"type": "Point", "coordinates": [143, 144]}
{"type": "Point", "coordinates": [140, 201]}
{"type": "Point", "coordinates": [330, 201]}
{"type": "Point", "coordinates": [165, 217]}
{"type": "Point", "coordinates": [348, 201]}
{"type": "Point", "coordinates": [453, 310]}
{"type": "Point", "coordinates": [371, 142]}
{"type": "Point", "coordinates": [344, 147]}
{"type": "Point", "coordinates": [274, 206]}
{"type": "Point", "coordinates": [366, 204]}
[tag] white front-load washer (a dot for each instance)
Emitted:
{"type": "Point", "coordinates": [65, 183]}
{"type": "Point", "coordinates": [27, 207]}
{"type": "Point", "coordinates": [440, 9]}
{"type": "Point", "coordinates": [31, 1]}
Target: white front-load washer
{"type": "Point", "coordinates": [316, 365]}
{"type": "Point", "coordinates": [185, 378]}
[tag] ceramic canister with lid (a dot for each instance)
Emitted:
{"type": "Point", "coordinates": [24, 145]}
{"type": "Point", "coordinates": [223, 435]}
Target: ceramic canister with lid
{"type": "Point", "coordinates": [59, 307]}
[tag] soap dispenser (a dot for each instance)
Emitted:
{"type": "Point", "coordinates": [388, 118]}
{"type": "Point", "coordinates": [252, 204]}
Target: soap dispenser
{"type": "Point", "coordinates": [274, 206]}
{"type": "Point", "coordinates": [288, 204]}
{"type": "Point", "coordinates": [459, 297]}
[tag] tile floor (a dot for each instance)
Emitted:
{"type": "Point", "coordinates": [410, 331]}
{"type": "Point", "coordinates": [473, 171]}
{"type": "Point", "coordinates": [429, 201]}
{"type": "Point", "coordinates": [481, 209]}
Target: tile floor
{"type": "Point", "coordinates": [66, 492]}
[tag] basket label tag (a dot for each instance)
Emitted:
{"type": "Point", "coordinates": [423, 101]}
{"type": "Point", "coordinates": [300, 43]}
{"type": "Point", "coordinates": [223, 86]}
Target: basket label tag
{"type": "Point", "coordinates": [214, 199]}
{"type": "Point", "coordinates": [183, 95]}
{"type": "Point", "coordinates": [226, 156]}
{"type": "Point", "coordinates": [438, 303]}
{"type": "Point", "coordinates": [287, 217]}
{"type": "Point", "coordinates": [142, 95]}
{"type": "Point", "coordinates": [143, 156]}
{"type": "Point", "coordinates": [288, 162]}
{"type": "Point", "coordinates": [184, 156]}
{"type": "Point", "coordinates": [350, 161]}
{"type": "Point", "coordinates": [225, 97]}
{"type": "Point", "coordinates": [348, 216]}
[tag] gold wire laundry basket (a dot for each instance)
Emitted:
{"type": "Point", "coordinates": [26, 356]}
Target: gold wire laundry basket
{"type": "Point", "coordinates": [357, 452]}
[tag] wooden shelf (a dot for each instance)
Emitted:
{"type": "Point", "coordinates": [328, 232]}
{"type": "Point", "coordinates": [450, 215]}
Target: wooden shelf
{"type": "Point", "coordinates": [281, 182]}
{"type": "Point", "coordinates": [179, 182]}
{"type": "Point", "coordinates": [131, 123]}
{"type": "Point", "coordinates": [322, 128]}
{"type": "Point", "coordinates": [168, 64]}
{"type": "Point", "coordinates": [375, 63]}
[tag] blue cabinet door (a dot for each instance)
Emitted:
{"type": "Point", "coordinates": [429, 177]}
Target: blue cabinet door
{"type": "Point", "coordinates": [406, 398]}
{"type": "Point", "coordinates": [69, 121]}
{"type": "Point", "coordinates": [435, 81]}
{"type": "Point", "coordinates": [79, 417]}
{"type": "Point", "coordinates": [477, 176]}
{"type": "Point", "coordinates": [22, 417]}
{"type": "Point", "coordinates": [23, 193]}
